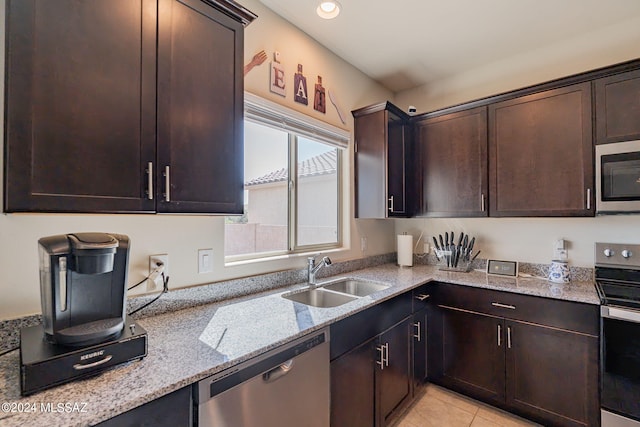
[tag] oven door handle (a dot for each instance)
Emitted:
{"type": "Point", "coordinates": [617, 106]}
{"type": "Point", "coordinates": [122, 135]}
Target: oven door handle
{"type": "Point", "coordinates": [619, 313]}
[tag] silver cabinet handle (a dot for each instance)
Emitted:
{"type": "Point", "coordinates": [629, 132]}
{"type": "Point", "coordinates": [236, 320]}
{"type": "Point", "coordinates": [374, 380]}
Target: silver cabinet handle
{"type": "Point", "coordinates": [384, 355]}
{"type": "Point", "coordinates": [391, 204]}
{"type": "Point", "coordinates": [422, 297]}
{"type": "Point", "coordinates": [386, 352]}
{"type": "Point", "coordinates": [499, 335]}
{"type": "Point", "coordinates": [588, 198]}
{"type": "Point", "coordinates": [418, 334]}
{"type": "Point", "coordinates": [482, 203]}
{"type": "Point", "coordinates": [167, 184]}
{"type": "Point", "coordinates": [79, 367]}
{"type": "Point", "coordinates": [497, 304]}
{"type": "Point", "coordinates": [150, 180]}
{"type": "Point", "coordinates": [508, 336]}
{"type": "Point", "coordinates": [380, 362]}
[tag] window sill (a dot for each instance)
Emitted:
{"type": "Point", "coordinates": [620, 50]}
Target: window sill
{"type": "Point", "coordinates": [279, 257]}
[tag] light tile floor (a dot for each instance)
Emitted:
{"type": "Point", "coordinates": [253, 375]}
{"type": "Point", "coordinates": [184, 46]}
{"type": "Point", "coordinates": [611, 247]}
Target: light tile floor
{"type": "Point", "coordinates": [439, 407]}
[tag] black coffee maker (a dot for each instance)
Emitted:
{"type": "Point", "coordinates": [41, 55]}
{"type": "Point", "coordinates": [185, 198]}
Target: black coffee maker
{"type": "Point", "coordinates": [83, 279]}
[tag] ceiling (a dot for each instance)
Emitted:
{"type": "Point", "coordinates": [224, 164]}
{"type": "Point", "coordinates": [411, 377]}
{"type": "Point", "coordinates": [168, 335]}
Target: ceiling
{"type": "Point", "coordinates": [409, 43]}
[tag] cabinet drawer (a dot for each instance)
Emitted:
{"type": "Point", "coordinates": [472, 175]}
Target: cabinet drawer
{"type": "Point", "coordinates": [421, 296]}
{"type": "Point", "coordinates": [568, 315]}
{"type": "Point", "coordinates": [352, 331]}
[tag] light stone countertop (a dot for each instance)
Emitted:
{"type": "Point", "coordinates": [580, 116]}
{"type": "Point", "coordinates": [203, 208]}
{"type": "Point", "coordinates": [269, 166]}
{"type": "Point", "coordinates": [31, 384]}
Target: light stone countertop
{"type": "Point", "coordinates": [188, 345]}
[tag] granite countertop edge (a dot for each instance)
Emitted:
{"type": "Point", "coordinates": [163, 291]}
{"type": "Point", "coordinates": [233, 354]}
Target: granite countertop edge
{"type": "Point", "coordinates": [181, 356]}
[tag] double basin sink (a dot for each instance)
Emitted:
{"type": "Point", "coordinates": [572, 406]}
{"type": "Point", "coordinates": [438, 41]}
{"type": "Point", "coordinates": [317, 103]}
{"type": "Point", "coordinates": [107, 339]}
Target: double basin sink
{"type": "Point", "coordinates": [335, 293]}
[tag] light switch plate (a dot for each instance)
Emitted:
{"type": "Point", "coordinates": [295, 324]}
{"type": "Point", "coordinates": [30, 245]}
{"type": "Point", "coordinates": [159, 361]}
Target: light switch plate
{"type": "Point", "coordinates": [502, 268]}
{"type": "Point", "coordinates": [205, 261]}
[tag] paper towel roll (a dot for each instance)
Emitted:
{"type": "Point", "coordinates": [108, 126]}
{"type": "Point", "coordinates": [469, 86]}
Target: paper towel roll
{"type": "Point", "coordinates": [405, 250]}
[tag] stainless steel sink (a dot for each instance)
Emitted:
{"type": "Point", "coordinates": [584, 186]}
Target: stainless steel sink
{"type": "Point", "coordinates": [358, 288]}
{"type": "Point", "coordinates": [319, 297]}
{"type": "Point", "coordinates": [333, 294]}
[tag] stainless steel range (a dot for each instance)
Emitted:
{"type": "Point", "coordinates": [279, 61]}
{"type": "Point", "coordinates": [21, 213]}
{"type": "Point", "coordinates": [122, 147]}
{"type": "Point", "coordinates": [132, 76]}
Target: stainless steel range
{"type": "Point", "coordinates": [618, 284]}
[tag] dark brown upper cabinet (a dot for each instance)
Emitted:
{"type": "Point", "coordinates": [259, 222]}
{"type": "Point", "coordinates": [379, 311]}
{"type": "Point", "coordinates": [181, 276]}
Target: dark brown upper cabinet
{"type": "Point", "coordinates": [382, 162]}
{"type": "Point", "coordinates": [618, 107]}
{"type": "Point", "coordinates": [453, 164]}
{"type": "Point", "coordinates": [541, 154]}
{"type": "Point", "coordinates": [89, 126]}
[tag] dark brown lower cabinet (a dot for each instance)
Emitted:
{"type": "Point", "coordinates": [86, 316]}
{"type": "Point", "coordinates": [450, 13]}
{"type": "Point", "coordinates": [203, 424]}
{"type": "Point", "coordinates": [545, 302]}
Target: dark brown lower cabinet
{"type": "Point", "coordinates": [372, 381]}
{"type": "Point", "coordinates": [470, 355]}
{"type": "Point", "coordinates": [421, 324]}
{"type": "Point", "coordinates": [172, 410]}
{"type": "Point", "coordinates": [545, 372]}
{"type": "Point", "coordinates": [552, 374]}
{"type": "Point", "coordinates": [393, 371]}
{"type": "Point", "coordinates": [352, 388]}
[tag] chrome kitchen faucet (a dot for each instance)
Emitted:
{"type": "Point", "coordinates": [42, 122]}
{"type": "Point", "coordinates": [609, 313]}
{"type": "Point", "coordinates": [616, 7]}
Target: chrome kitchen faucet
{"type": "Point", "coordinates": [312, 268]}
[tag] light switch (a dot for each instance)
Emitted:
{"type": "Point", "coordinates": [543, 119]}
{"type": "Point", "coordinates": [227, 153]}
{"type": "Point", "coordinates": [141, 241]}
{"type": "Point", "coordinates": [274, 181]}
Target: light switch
{"type": "Point", "coordinates": [205, 261]}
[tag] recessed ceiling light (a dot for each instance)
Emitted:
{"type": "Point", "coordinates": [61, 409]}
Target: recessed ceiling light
{"type": "Point", "coordinates": [328, 9]}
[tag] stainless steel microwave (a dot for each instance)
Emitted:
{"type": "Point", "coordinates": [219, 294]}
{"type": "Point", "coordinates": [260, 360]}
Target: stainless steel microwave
{"type": "Point", "coordinates": [618, 178]}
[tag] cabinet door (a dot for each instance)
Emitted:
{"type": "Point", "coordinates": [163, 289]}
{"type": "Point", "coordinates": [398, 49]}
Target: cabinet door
{"type": "Point", "coordinates": [618, 107]}
{"type": "Point", "coordinates": [453, 158]}
{"type": "Point", "coordinates": [467, 353]}
{"type": "Point", "coordinates": [352, 388]}
{"type": "Point", "coordinates": [172, 410]}
{"type": "Point", "coordinates": [393, 371]}
{"type": "Point", "coordinates": [552, 375]}
{"type": "Point", "coordinates": [398, 170]}
{"type": "Point", "coordinates": [80, 105]}
{"type": "Point", "coordinates": [200, 110]}
{"type": "Point", "coordinates": [371, 165]}
{"type": "Point", "coordinates": [541, 154]}
{"type": "Point", "coordinates": [420, 326]}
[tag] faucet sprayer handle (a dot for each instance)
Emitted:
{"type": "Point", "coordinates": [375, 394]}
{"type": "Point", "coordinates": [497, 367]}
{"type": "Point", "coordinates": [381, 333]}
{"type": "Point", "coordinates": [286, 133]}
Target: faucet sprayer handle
{"type": "Point", "coordinates": [326, 260]}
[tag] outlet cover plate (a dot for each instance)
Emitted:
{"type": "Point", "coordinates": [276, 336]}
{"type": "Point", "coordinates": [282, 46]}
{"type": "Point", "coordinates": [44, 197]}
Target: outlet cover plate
{"type": "Point", "coordinates": [157, 282]}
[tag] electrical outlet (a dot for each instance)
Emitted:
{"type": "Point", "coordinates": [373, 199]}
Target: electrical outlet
{"type": "Point", "coordinates": [205, 261]}
{"type": "Point", "coordinates": [363, 244]}
{"type": "Point", "coordinates": [156, 282]}
{"type": "Point", "coordinates": [426, 248]}
{"type": "Point", "coordinates": [560, 250]}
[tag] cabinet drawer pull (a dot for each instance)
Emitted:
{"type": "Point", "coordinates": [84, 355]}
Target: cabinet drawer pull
{"type": "Point", "coordinates": [150, 180]}
{"type": "Point", "coordinates": [482, 203]}
{"type": "Point", "coordinates": [417, 334]}
{"type": "Point", "coordinates": [588, 199]}
{"type": "Point", "coordinates": [391, 204]}
{"type": "Point", "coordinates": [167, 184]}
{"type": "Point", "coordinates": [497, 304]}
{"type": "Point", "coordinates": [422, 297]}
{"type": "Point", "coordinates": [508, 336]}
{"type": "Point", "coordinates": [499, 335]}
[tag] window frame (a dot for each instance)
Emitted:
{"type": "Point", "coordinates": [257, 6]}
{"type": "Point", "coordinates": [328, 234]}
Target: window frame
{"type": "Point", "coordinates": [267, 113]}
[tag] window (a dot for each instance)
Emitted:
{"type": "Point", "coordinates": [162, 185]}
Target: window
{"type": "Point", "coordinates": [292, 189]}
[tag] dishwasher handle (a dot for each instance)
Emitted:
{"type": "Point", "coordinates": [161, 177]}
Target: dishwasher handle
{"type": "Point", "coordinates": [278, 371]}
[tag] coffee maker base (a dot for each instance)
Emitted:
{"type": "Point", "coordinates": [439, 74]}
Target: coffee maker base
{"type": "Point", "coordinates": [44, 365]}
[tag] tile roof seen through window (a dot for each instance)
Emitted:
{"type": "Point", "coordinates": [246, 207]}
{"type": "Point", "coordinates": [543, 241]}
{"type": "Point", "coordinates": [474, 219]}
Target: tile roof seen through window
{"type": "Point", "coordinates": [322, 164]}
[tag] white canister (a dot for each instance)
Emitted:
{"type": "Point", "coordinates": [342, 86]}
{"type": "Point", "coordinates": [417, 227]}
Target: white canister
{"type": "Point", "coordinates": [559, 272]}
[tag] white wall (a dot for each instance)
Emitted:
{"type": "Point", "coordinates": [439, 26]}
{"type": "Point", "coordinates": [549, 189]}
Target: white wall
{"type": "Point", "coordinates": [531, 239]}
{"type": "Point", "coordinates": [182, 236]}
{"type": "Point", "coordinates": [529, 68]}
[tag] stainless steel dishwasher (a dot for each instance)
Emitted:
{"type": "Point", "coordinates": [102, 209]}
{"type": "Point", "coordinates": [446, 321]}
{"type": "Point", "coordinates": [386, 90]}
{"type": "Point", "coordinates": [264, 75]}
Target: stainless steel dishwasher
{"type": "Point", "coordinates": [285, 387]}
